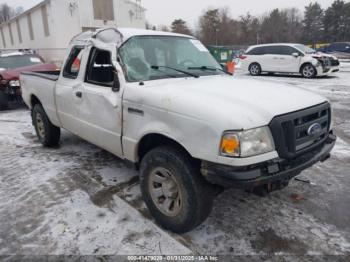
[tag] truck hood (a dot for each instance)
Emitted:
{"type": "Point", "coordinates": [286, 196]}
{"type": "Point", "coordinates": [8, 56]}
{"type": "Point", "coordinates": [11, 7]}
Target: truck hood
{"type": "Point", "coordinates": [235, 103]}
{"type": "Point", "coordinates": [13, 74]}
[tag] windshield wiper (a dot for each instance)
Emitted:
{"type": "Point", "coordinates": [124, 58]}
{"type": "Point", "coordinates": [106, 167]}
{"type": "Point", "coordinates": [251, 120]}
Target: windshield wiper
{"type": "Point", "coordinates": [156, 67]}
{"type": "Point", "coordinates": [208, 68]}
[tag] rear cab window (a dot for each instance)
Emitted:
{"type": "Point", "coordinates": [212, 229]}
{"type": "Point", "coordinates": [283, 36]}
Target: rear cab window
{"type": "Point", "coordinates": [72, 66]}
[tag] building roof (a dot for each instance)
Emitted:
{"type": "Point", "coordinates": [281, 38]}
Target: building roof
{"type": "Point", "coordinates": [37, 6]}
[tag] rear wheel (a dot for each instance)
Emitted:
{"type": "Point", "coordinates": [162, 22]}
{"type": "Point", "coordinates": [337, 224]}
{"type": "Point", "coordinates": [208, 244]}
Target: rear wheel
{"type": "Point", "coordinates": [3, 100]}
{"type": "Point", "coordinates": [255, 69]}
{"type": "Point", "coordinates": [48, 134]}
{"type": "Point", "coordinates": [176, 194]}
{"type": "Point", "coordinates": [308, 71]}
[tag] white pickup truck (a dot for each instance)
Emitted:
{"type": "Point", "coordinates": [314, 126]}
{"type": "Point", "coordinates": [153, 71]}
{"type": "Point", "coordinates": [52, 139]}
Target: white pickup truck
{"type": "Point", "coordinates": [161, 101]}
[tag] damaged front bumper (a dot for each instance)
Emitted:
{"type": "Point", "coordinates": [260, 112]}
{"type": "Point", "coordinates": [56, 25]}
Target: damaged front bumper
{"type": "Point", "coordinates": [274, 173]}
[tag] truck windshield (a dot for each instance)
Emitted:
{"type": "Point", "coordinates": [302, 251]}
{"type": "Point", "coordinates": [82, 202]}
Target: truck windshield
{"type": "Point", "coordinates": [18, 61]}
{"type": "Point", "coordinates": [157, 57]}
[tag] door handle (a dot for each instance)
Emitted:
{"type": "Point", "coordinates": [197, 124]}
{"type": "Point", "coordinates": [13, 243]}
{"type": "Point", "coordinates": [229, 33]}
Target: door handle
{"type": "Point", "coordinates": [79, 94]}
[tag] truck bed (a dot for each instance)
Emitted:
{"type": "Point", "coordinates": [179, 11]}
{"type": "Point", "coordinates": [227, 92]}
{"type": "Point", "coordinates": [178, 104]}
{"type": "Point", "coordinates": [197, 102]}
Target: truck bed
{"type": "Point", "coordinates": [41, 86]}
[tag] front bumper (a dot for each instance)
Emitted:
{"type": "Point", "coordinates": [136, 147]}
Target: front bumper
{"type": "Point", "coordinates": [324, 71]}
{"type": "Point", "coordinates": [274, 171]}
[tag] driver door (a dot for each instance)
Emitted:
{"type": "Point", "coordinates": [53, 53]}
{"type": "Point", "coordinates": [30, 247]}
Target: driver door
{"type": "Point", "coordinates": [99, 108]}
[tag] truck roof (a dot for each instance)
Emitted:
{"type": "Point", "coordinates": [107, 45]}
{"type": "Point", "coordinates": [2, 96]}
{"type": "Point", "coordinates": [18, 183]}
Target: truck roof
{"type": "Point", "coordinates": [113, 35]}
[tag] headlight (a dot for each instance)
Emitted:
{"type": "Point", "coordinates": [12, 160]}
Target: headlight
{"type": "Point", "coordinates": [247, 143]}
{"type": "Point", "coordinates": [14, 83]}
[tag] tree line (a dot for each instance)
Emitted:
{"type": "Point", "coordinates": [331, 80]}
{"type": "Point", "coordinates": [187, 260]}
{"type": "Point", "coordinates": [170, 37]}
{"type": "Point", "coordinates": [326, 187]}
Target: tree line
{"type": "Point", "coordinates": [311, 26]}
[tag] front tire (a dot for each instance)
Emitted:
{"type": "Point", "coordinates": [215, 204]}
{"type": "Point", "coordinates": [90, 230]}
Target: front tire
{"type": "Point", "coordinates": [48, 134]}
{"type": "Point", "coordinates": [176, 194]}
{"type": "Point", "coordinates": [255, 69]}
{"type": "Point", "coordinates": [308, 71]}
{"type": "Point", "coordinates": [3, 100]}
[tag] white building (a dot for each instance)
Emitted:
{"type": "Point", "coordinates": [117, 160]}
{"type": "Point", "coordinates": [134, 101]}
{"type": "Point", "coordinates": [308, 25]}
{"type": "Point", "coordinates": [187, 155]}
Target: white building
{"type": "Point", "coordinates": [49, 26]}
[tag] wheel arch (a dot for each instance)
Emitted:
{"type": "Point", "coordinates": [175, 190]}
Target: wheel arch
{"type": "Point", "coordinates": [34, 100]}
{"type": "Point", "coordinates": [152, 140]}
{"type": "Point", "coordinates": [304, 64]}
{"type": "Point", "coordinates": [255, 62]}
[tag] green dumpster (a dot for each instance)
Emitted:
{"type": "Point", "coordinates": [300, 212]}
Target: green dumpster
{"type": "Point", "coordinates": [221, 53]}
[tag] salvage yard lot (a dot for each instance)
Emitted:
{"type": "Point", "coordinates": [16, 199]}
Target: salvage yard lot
{"type": "Point", "coordinates": [81, 200]}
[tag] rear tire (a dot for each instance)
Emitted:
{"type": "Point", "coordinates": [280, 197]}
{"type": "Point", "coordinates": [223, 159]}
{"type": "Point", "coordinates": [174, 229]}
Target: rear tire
{"type": "Point", "coordinates": [176, 194]}
{"type": "Point", "coordinates": [48, 134]}
{"type": "Point", "coordinates": [308, 71]}
{"type": "Point", "coordinates": [4, 103]}
{"type": "Point", "coordinates": [255, 69]}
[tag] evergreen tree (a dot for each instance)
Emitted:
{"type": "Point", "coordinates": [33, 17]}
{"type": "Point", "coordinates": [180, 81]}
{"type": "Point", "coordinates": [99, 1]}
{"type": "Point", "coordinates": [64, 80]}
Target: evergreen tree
{"type": "Point", "coordinates": [313, 27]}
{"type": "Point", "coordinates": [337, 22]}
{"type": "Point", "coordinates": [180, 26]}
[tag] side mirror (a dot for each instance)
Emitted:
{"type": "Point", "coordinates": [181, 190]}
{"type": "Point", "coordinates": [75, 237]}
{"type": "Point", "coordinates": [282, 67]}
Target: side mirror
{"type": "Point", "coordinates": [295, 54]}
{"type": "Point", "coordinates": [116, 83]}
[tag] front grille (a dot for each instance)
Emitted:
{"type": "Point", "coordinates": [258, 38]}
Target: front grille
{"type": "Point", "coordinates": [334, 62]}
{"type": "Point", "coordinates": [301, 131]}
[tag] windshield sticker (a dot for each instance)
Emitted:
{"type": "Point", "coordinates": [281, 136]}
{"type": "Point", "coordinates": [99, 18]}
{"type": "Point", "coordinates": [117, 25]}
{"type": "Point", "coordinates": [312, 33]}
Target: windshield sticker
{"type": "Point", "coordinates": [199, 46]}
{"type": "Point", "coordinates": [35, 60]}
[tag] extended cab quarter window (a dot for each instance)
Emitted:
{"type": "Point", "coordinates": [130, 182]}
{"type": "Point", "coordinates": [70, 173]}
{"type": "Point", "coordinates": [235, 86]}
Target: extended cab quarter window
{"type": "Point", "coordinates": [100, 69]}
{"type": "Point", "coordinates": [72, 67]}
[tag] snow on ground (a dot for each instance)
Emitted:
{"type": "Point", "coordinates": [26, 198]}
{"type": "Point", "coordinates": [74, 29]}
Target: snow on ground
{"type": "Point", "coordinates": [78, 199]}
{"type": "Point", "coordinates": [58, 201]}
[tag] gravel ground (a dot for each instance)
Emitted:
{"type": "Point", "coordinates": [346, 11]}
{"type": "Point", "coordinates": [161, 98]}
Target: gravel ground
{"type": "Point", "coordinates": [81, 200]}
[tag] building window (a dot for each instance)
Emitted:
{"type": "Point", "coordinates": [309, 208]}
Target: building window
{"type": "Point", "coordinates": [3, 37]}
{"type": "Point", "coordinates": [19, 31]}
{"type": "Point", "coordinates": [30, 26]}
{"type": "Point", "coordinates": [45, 20]}
{"type": "Point", "coordinates": [103, 10]}
{"type": "Point", "coordinates": [11, 35]}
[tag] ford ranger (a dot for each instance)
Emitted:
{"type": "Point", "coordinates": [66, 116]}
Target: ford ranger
{"type": "Point", "coordinates": [160, 101]}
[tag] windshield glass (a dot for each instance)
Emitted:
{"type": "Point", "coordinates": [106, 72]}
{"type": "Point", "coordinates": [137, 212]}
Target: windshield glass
{"type": "Point", "coordinates": [158, 57]}
{"type": "Point", "coordinates": [12, 62]}
{"type": "Point", "coordinates": [305, 49]}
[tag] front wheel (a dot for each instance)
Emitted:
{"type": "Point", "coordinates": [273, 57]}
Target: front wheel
{"type": "Point", "coordinates": [3, 100]}
{"type": "Point", "coordinates": [176, 194]}
{"type": "Point", "coordinates": [255, 69]}
{"type": "Point", "coordinates": [308, 71]}
{"type": "Point", "coordinates": [48, 134]}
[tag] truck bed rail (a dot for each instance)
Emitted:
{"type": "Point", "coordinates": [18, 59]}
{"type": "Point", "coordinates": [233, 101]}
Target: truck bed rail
{"type": "Point", "coordinates": [49, 75]}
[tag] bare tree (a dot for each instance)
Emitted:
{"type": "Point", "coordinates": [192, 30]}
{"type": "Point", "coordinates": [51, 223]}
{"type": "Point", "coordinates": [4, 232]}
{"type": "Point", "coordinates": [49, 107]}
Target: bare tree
{"type": "Point", "coordinates": [7, 12]}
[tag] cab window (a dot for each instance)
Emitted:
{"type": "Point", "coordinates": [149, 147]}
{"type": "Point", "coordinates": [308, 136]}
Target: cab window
{"type": "Point", "coordinates": [100, 70]}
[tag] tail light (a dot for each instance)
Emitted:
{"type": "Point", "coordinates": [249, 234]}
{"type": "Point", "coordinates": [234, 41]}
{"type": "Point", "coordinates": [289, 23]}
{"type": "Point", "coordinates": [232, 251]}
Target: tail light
{"type": "Point", "coordinates": [242, 57]}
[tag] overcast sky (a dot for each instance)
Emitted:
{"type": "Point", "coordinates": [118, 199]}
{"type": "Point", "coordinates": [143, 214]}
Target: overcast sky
{"type": "Point", "coordinates": [165, 11]}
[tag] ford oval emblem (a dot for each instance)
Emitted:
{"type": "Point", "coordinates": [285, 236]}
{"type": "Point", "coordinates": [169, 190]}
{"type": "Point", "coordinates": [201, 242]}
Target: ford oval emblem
{"type": "Point", "coordinates": [314, 129]}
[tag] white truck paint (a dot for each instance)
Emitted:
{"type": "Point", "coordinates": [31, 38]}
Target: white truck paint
{"type": "Point", "coordinates": [192, 113]}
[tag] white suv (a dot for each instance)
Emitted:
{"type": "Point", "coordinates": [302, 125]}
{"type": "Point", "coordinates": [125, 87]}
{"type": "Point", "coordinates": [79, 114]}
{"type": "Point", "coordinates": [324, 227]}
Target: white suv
{"type": "Point", "coordinates": [288, 58]}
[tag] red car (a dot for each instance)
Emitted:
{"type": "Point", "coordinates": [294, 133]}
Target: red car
{"type": "Point", "coordinates": [11, 65]}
